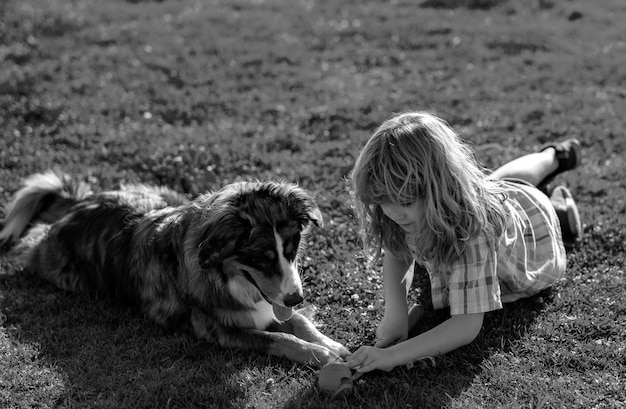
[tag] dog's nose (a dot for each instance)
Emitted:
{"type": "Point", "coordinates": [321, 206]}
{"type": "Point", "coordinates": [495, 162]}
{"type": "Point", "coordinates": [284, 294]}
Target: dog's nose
{"type": "Point", "coordinates": [293, 299]}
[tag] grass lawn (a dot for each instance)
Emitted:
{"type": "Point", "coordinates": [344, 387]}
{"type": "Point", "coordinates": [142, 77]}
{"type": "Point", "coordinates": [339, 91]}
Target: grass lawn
{"type": "Point", "coordinates": [197, 93]}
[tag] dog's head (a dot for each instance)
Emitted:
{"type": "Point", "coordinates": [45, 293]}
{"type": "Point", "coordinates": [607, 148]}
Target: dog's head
{"type": "Point", "coordinates": [253, 233]}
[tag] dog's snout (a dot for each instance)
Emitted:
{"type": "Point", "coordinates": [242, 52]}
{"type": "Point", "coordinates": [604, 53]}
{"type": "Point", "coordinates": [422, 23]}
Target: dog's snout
{"type": "Point", "coordinates": [293, 299]}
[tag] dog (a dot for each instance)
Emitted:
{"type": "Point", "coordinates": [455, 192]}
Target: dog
{"type": "Point", "coordinates": [223, 266]}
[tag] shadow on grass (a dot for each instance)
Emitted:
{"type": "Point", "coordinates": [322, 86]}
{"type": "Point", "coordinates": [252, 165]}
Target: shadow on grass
{"type": "Point", "coordinates": [100, 355]}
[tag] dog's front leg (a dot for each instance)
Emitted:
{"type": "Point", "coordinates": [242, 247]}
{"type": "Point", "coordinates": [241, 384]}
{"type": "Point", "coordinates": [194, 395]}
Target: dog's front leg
{"type": "Point", "coordinates": [296, 349]}
{"type": "Point", "coordinates": [303, 328]}
{"type": "Point", "coordinates": [283, 344]}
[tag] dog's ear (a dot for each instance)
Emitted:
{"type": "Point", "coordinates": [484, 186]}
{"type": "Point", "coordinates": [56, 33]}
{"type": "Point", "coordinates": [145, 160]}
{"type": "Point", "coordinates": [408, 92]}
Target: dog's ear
{"type": "Point", "coordinates": [315, 216]}
{"type": "Point", "coordinates": [306, 209]}
{"type": "Point", "coordinates": [221, 236]}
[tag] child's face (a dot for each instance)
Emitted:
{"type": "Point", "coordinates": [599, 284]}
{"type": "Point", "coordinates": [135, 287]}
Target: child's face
{"type": "Point", "coordinates": [407, 217]}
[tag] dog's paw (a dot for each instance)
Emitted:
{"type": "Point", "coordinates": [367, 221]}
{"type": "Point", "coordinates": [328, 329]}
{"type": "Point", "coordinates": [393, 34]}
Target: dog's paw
{"type": "Point", "coordinates": [335, 347]}
{"type": "Point", "coordinates": [324, 356]}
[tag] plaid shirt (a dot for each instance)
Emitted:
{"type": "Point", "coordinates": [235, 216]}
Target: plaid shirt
{"type": "Point", "coordinates": [527, 258]}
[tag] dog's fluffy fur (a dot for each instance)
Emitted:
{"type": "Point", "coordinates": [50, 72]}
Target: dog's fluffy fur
{"type": "Point", "coordinates": [223, 265]}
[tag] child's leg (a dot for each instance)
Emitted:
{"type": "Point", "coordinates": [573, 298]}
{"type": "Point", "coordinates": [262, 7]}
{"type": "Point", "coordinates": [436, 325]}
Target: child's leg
{"type": "Point", "coordinates": [540, 168]}
{"type": "Point", "coordinates": [533, 168]}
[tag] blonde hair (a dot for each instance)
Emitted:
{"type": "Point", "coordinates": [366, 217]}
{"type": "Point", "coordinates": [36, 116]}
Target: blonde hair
{"type": "Point", "coordinates": [416, 155]}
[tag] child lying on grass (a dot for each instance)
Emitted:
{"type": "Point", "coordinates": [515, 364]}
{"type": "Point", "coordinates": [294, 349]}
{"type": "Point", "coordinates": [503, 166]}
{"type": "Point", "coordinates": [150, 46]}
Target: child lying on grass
{"type": "Point", "coordinates": [484, 239]}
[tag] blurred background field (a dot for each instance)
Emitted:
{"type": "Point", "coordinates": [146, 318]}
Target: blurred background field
{"type": "Point", "coordinates": [194, 94]}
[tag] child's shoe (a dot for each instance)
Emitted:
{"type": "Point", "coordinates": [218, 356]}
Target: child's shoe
{"type": "Point", "coordinates": [569, 155]}
{"type": "Point", "coordinates": [567, 212]}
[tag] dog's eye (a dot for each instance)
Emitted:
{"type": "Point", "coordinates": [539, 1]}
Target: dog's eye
{"type": "Point", "coordinates": [290, 251]}
{"type": "Point", "coordinates": [270, 254]}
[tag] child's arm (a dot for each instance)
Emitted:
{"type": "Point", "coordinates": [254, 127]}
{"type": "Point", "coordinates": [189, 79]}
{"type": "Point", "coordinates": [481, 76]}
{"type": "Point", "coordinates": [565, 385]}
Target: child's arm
{"type": "Point", "coordinates": [452, 334]}
{"type": "Point", "coordinates": [397, 279]}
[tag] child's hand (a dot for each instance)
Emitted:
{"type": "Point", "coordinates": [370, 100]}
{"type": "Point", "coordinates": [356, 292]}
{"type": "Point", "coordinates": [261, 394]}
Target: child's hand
{"type": "Point", "coordinates": [367, 359]}
{"type": "Point", "coordinates": [392, 329]}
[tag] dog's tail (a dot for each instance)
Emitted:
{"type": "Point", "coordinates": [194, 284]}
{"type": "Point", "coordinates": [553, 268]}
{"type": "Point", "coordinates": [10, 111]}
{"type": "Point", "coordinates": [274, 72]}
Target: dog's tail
{"type": "Point", "coordinates": [45, 197]}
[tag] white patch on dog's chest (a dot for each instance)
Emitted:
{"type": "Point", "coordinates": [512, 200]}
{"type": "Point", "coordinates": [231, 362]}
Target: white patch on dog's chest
{"type": "Point", "coordinates": [261, 311]}
{"type": "Point", "coordinates": [263, 316]}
